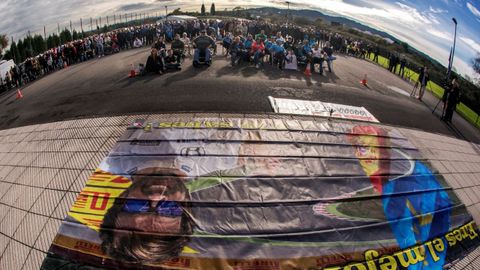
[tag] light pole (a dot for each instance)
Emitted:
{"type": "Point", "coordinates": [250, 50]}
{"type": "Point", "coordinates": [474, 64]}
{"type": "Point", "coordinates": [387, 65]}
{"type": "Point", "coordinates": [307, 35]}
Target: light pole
{"type": "Point", "coordinates": [288, 10]}
{"type": "Point", "coordinates": [166, 11]}
{"type": "Point", "coordinates": [453, 50]}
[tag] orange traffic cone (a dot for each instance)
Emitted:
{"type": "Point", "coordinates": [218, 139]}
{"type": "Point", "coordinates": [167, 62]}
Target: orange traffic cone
{"type": "Point", "coordinates": [132, 72]}
{"type": "Point", "coordinates": [364, 81]}
{"type": "Point", "coordinates": [19, 94]}
{"type": "Point", "coordinates": [307, 71]}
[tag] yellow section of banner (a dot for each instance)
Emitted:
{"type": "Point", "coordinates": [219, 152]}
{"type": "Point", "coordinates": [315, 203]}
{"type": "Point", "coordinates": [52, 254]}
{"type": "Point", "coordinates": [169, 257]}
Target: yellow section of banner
{"type": "Point", "coordinates": [97, 197]}
{"type": "Point", "coordinates": [105, 179]}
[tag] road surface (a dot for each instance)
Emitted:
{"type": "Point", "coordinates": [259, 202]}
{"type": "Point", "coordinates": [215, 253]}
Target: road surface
{"type": "Point", "coordinates": [101, 87]}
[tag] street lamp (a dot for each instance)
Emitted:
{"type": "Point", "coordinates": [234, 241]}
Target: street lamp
{"type": "Point", "coordinates": [288, 10]}
{"type": "Point", "coordinates": [453, 50]}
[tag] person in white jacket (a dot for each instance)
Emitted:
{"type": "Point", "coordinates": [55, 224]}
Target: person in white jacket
{"type": "Point", "coordinates": [291, 61]}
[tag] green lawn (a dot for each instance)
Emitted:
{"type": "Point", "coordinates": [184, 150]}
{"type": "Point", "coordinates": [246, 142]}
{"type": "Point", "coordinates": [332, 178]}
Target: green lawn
{"type": "Point", "coordinates": [437, 91]}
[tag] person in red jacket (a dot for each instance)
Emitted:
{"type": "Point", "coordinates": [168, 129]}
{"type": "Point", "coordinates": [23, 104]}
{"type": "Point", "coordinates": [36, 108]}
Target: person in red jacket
{"type": "Point", "coordinates": [258, 51]}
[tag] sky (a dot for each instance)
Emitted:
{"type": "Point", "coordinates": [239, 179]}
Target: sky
{"type": "Point", "coordinates": [425, 25]}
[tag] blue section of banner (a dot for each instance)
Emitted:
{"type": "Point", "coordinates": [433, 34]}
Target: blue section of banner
{"type": "Point", "coordinates": [418, 217]}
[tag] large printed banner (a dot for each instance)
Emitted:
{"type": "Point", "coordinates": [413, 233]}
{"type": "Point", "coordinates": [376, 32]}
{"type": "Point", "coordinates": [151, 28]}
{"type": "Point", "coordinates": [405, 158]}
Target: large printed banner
{"type": "Point", "coordinates": [263, 194]}
{"type": "Point", "coordinates": [319, 108]}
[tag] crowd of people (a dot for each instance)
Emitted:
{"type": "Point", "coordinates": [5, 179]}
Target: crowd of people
{"type": "Point", "coordinates": [282, 45]}
{"type": "Point", "coordinates": [77, 51]}
{"type": "Point", "coordinates": [256, 42]}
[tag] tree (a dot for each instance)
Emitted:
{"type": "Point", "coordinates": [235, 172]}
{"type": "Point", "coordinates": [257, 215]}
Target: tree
{"type": "Point", "coordinates": [39, 44]}
{"type": "Point", "coordinates": [405, 46]}
{"type": "Point", "coordinates": [65, 35]}
{"type": "Point", "coordinates": [14, 52]}
{"type": "Point", "coordinates": [476, 64]}
{"type": "Point", "coordinates": [28, 46]}
{"type": "Point", "coordinates": [21, 50]}
{"type": "Point", "coordinates": [176, 11]}
{"type": "Point", "coordinates": [301, 21]}
{"type": "Point", "coordinates": [237, 11]}
{"type": "Point", "coordinates": [202, 10]}
{"type": "Point", "coordinates": [56, 40]}
{"type": "Point", "coordinates": [3, 42]}
{"type": "Point", "coordinates": [50, 42]}
{"type": "Point", "coordinates": [7, 55]}
{"type": "Point", "coordinates": [212, 9]}
{"type": "Point", "coordinates": [319, 22]}
{"type": "Point", "coordinates": [75, 35]}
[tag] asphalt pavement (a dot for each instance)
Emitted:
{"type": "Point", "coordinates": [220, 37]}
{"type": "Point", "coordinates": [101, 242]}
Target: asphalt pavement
{"type": "Point", "coordinates": [102, 87]}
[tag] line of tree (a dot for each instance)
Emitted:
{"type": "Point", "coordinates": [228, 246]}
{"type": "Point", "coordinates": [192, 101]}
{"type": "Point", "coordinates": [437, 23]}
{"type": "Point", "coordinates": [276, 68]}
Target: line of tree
{"type": "Point", "coordinates": [212, 9]}
{"type": "Point", "coordinates": [203, 10]}
{"type": "Point", "coordinates": [34, 45]}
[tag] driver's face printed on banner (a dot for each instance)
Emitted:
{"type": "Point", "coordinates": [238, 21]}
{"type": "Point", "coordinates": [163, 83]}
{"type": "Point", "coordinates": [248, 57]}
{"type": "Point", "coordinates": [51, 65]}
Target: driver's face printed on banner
{"type": "Point", "coordinates": [153, 207]}
{"type": "Point", "coordinates": [368, 154]}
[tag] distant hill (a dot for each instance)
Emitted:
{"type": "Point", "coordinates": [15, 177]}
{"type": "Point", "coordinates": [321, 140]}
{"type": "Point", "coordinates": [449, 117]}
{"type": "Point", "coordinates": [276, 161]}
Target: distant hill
{"type": "Point", "coordinates": [314, 14]}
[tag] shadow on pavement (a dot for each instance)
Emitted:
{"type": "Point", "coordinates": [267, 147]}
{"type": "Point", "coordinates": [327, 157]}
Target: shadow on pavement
{"type": "Point", "coordinates": [187, 72]}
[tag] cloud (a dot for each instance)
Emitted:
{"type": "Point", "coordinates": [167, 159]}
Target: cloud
{"type": "Point", "coordinates": [437, 10]}
{"type": "Point", "coordinates": [473, 9]}
{"type": "Point", "coordinates": [439, 34]}
{"type": "Point", "coordinates": [418, 15]}
{"type": "Point", "coordinates": [471, 43]}
{"type": "Point", "coordinates": [129, 7]}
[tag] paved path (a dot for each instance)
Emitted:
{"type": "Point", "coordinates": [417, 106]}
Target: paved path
{"type": "Point", "coordinates": [101, 87]}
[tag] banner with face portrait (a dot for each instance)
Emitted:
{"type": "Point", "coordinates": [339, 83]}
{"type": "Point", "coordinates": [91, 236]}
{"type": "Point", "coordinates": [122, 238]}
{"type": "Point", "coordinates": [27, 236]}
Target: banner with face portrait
{"type": "Point", "coordinates": [261, 194]}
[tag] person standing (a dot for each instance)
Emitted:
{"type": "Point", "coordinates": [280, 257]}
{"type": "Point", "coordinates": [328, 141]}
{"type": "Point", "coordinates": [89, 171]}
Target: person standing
{"type": "Point", "coordinates": [403, 62]}
{"type": "Point", "coordinates": [100, 46]}
{"type": "Point", "coordinates": [391, 61]}
{"type": "Point", "coordinates": [376, 53]}
{"type": "Point", "coordinates": [262, 36]}
{"type": "Point", "coordinates": [453, 99]}
{"type": "Point", "coordinates": [423, 79]}
{"type": "Point", "coordinates": [328, 52]}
